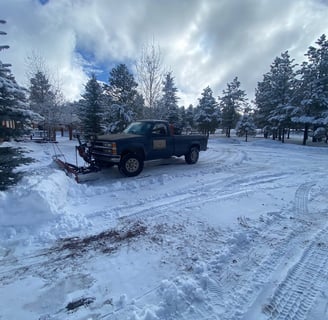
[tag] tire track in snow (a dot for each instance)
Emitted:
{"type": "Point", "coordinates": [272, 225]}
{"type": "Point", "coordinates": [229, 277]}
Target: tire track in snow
{"type": "Point", "coordinates": [301, 198]}
{"type": "Point", "coordinates": [296, 294]}
{"type": "Point", "coordinates": [243, 297]}
{"type": "Point", "coordinates": [211, 190]}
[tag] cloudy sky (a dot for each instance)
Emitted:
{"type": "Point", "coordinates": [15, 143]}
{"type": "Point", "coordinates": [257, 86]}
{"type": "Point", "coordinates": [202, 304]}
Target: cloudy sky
{"type": "Point", "coordinates": [203, 42]}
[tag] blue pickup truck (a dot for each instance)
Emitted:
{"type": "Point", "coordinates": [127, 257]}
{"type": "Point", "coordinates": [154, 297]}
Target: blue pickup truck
{"type": "Point", "coordinates": [141, 141]}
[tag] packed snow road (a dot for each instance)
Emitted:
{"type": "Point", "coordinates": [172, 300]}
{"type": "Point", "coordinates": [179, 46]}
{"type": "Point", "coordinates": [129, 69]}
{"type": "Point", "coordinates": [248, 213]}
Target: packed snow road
{"type": "Point", "coordinates": [240, 235]}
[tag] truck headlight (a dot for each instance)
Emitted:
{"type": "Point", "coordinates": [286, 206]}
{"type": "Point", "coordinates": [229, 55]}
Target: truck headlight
{"type": "Point", "coordinates": [111, 147]}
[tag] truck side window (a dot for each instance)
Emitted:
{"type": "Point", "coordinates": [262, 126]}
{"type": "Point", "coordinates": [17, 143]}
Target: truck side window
{"type": "Point", "coordinates": [159, 129]}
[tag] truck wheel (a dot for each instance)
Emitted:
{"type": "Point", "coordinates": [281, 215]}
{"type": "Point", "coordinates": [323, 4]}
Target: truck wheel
{"type": "Point", "coordinates": [131, 165]}
{"type": "Point", "coordinates": [192, 156]}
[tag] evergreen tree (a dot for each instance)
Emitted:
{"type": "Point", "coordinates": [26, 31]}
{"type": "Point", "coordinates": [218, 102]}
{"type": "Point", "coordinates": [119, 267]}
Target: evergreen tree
{"type": "Point", "coordinates": [264, 105]}
{"type": "Point", "coordinates": [14, 121]}
{"type": "Point", "coordinates": [231, 103]}
{"type": "Point", "coordinates": [125, 103]}
{"type": "Point", "coordinates": [246, 126]}
{"type": "Point", "coordinates": [91, 108]}
{"type": "Point", "coordinates": [281, 89]}
{"type": "Point", "coordinates": [14, 113]}
{"type": "Point", "coordinates": [182, 117]}
{"type": "Point", "coordinates": [42, 101]}
{"type": "Point", "coordinates": [122, 85]}
{"type": "Point", "coordinates": [190, 116]}
{"type": "Point", "coordinates": [14, 116]}
{"type": "Point", "coordinates": [46, 101]}
{"type": "Point", "coordinates": [312, 92]}
{"type": "Point", "coordinates": [45, 97]}
{"type": "Point", "coordinates": [168, 105]}
{"type": "Point", "coordinates": [207, 114]}
{"type": "Point", "coordinates": [139, 109]}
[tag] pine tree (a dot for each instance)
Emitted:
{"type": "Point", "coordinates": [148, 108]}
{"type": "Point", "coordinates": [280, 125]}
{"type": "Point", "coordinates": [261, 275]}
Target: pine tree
{"type": "Point", "coordinates": [207, 114]}
{"type": "Point", "coordinates": [246, 126]}
{"type": "Point", "coordinates": [168, 105]}
{"type": "Point", "coordinates": [41, 96]}
{"type": "Point", "coordinates": [182, 117]}
{"type": "Point", "coordinates": [125, 103]}
{"type": "Point", "coordinates": [14, 121]}
{"type": "Point", "coordinates": [231, 103]}
{"type": "Point", "coordinates": [190, 116]}
{"type": "Point", "coordinates": [139, 108]}
{"type": "Point", "coordinates": [282, 83]}
{"type": "Point", "coordinates": [122, 85]}
{"type": "Point", "coordinates": [42, 101]}
{"type": "Point", "coordinates": [91, 108]}
{"type": "Point", "coordinates": [13, 116]}
{"type": "Point", "coordinates": [312, 92]}
{"type": "Point", "coordinates": [45, 97]}
{"type": "Point", "coordinates": [264, 105]}
{"type": "Point", "coordinates": [14, 113]}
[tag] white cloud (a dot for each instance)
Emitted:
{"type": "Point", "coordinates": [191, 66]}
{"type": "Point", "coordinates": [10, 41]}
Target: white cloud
{"type": "Point", "coordinates": [203, 43]}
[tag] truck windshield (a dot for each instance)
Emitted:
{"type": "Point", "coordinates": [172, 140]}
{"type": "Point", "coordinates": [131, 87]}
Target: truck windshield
{"type": "Point", "coordinates": [138, 128]}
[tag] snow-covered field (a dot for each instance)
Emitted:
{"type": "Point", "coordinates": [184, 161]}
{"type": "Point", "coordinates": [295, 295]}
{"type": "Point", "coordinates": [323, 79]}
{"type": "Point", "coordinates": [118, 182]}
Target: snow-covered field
{"type": "Point", "coordinates": [240, 235]}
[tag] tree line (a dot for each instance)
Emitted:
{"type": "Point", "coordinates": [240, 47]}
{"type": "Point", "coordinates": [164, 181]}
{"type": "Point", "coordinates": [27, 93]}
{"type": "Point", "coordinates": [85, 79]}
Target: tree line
{"type": "Point", "coordinates": [292, 96]}
{"type": "Point", "coordinates": [289, 97]}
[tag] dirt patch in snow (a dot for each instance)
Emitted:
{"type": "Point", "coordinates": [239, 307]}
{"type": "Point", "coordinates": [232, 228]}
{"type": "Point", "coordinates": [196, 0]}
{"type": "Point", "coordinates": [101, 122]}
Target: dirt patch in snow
{"type": "Point", "coordinates": [106, 241]}
{"type": "Point", "coordinates": [67, 252]}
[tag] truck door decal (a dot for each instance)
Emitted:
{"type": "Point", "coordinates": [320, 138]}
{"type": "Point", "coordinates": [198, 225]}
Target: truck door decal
{"type": "Point", "coordinates": [159, 144]}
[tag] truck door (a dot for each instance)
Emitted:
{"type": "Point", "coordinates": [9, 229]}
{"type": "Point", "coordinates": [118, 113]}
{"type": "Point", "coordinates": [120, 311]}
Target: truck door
{"type": "Point", "coordinates": [161, 142]}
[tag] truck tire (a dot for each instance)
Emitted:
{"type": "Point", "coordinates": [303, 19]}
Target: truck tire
{"type": "Point", "coordinates": [192, 156]}
{"type": "Point", "coordinates": [131, 165]}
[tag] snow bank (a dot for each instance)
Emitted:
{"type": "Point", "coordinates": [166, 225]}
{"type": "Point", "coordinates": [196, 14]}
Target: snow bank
{"type": "Point", "coordinates": [35, 201]}
{"type": "Point", "coordinates": [43, 198]}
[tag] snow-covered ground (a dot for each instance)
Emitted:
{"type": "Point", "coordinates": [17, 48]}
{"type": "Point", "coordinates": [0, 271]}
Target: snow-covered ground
{"type": "Point", "coordinates": [240, 235]}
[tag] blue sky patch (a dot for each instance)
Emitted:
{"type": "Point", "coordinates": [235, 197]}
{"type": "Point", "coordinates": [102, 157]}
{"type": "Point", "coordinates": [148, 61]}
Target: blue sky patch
{"type": "Point", "coordinates": [100, 68]}
{"type": "Point", "coordinates": [44, 2]}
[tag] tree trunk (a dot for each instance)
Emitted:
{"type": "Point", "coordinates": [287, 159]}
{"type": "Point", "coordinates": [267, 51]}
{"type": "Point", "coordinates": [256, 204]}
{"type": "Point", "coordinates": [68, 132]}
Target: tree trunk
{"type": "Point", "coordinates": [305, 136]}
{"type": "Point", "coordinates": [54, 134]}
{"type": "Point", "coordinates": [70, 132]}
{"type": "Point", "coordinates": [228, 132]}
{"type": "Point", "coordinates": [283, 136]}
{"type": "Point", "coordinates": [314, 139]}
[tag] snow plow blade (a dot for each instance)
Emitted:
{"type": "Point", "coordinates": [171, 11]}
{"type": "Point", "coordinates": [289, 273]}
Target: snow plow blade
{"type": "Point", "coordinates": [80, 174]}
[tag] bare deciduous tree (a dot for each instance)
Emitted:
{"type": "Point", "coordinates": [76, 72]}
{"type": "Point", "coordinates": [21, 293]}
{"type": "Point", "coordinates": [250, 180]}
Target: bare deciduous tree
{"type": "Point", "coordinates": [150, 73]}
